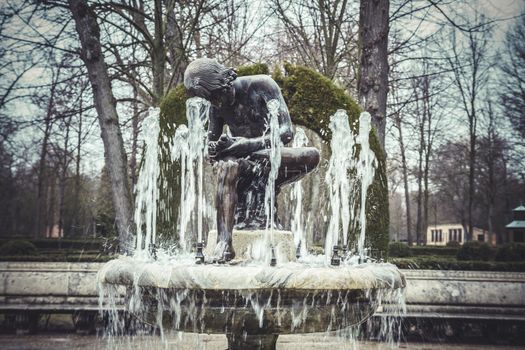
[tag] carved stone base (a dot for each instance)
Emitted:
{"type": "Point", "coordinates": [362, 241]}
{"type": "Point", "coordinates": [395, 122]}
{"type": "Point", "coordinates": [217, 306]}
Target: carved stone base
{"type": "Point", "coordinates": [253, 245]}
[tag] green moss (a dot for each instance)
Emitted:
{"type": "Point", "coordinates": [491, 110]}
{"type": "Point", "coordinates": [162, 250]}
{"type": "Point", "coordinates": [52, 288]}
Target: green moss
{"type": "Point", "coordinates": [172, 114]}
{"type": "Point", "coordinates": [173, 110]}
{"type": "Point", "coordinates": [254, 69]}
{"type": "Point", "coordinates": [377, 213]}
{"type": "Point", "coordinates": [311, 99]}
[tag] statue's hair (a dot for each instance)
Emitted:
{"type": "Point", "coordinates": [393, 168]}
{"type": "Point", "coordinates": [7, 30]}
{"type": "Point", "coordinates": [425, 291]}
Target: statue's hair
{"type": "Point", "coordinates": [205, 75]}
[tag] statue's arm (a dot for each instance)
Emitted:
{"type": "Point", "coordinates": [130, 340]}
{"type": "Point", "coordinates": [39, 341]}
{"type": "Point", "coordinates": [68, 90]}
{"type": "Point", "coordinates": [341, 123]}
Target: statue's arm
{"type": "Point", "coordinates": [285, 128]}
{"type": "Point", "coordinates": [285, 122]}
{"type": "Point", "coordinates": [215, 125]}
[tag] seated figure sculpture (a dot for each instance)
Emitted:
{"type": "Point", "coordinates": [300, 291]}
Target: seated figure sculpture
{"type": "Point", "coordinates": [242, 155]}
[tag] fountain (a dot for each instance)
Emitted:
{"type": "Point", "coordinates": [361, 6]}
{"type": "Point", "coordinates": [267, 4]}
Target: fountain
{"type": "Point", "coordinates": [250, 279]}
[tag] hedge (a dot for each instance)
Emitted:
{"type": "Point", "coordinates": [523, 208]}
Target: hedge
{"type": "Point", "coordinates": [65, 243]}
{"type": "Point", "coordinates": [475, 250]}
{"type": "Point", "coordinates": [439, 263]}
{"type": "Point", "coordinates": [18, 247]}
{"type": "Point", "coordinates": [400, 250]}
{"type": "Point", "coordinates": [434, 250]}
{"type": "Point", "coordinates": [469, 251]}
{"type": "Point", "coordinates": [511, 252]}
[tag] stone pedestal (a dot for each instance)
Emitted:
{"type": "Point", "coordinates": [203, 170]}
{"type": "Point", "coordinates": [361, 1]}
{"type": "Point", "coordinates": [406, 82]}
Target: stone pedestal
{"type": "Point", "coordinates": [254, 245]}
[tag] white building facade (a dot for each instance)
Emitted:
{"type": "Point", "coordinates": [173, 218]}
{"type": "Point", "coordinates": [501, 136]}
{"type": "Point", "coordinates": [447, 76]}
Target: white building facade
{"type": "Point", "coordinates": [442, 234]}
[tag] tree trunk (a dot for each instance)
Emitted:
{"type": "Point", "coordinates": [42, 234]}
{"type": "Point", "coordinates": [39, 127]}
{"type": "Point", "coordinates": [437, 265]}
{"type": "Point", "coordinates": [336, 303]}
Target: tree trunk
{"type": "Point", "coordinates": [77, 219]}
{"type": "Point", "coordinates": [373, 74]}
{"type": "Point", "coordinates": [471, 176]}
{"type": "Point", "coordinates": [419, 220]}
{"type": "Point", "coordinates": [134, 139]}
{"type": "Point", "coordinates": [50, 220]}
{"type": "Point", "coordinates": [105, 104]}
{"type": "Point", "coordinates": [48, 121]}
{"type": "Point", "coordinates": [405, 180]}
{"type": "Point", "coordinates": [62, 179]}
{"type": "Point", "coordinates": [158, 54]}
{"type": "Point", "coordinates": [41, 194]}
{"type": "Point", "coordinates": [428, 149]}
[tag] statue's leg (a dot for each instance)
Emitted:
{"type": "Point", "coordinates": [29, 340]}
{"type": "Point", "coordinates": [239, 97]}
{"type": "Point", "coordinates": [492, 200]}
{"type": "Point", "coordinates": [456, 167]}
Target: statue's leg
{"type": "Point", "coordinates": [226, 201]}
{"type": "Point", "coordinates": [295, 163]}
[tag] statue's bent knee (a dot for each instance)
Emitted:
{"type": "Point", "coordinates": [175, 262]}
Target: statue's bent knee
{"type": "Point", "coordinates": [310, 157]}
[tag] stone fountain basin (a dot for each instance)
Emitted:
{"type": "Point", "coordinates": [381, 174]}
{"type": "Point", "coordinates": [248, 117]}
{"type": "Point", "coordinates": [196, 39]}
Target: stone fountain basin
{"type": "Point", "coordinates": [252, 299]}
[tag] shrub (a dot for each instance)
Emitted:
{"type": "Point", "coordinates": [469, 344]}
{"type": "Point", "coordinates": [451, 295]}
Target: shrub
{"type": "Point", "coordinates": [399, 250]}
{"type": "Point", "coordinates": [511, 252]}
{"type": "Point", "coordinates": [439, 263]}
{"type": "Point", "coordinates": [18, 247]}
{"type": "Point", "coordinates": [253, 69]}
{"type": "Point", "coordinates": [434, 250]}
{"type": "Point", "coordinates": [453, 244]}
{"type": "Point", "coordinates": [475, 251]}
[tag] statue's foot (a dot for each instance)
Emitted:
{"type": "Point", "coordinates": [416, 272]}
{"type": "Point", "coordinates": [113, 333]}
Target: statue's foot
{"type": "Point", "coordinates": [224, 251]}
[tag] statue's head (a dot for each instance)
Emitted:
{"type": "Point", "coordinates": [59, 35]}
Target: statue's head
{"type": "Point", "coordinates": [207, 78]}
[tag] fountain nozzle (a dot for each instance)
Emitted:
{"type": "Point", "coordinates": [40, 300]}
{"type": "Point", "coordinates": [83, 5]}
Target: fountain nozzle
{"type": "Point", "coordinates": [273, 261]}
{"type": "Point", "coordinates": [153, 250]}
{"type": "Point", "coordinates": [199, 257]}
{"type": "Point", "coordinates": [298, 250]}
{"type": "Point", "coordinates": [336, 260]}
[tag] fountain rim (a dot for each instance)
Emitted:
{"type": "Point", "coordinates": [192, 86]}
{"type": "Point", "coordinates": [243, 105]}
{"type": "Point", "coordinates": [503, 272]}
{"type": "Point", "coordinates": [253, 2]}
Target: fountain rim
{"type": "Point", "coordinates": [298, 277]}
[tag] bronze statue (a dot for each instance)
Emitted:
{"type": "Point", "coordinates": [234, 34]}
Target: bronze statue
{"type": "Point", "coordinates": [243, 158]}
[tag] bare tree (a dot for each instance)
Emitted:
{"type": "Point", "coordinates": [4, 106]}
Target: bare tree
{"type": "Point", "coordinates": [469, 64]}
{"type": "Point", "coordinates": [397, 117]}
{"type": "Point", "coordinates": [321, 34]}
{"type": "Point", "coordinates": [373, 74]}
{"type": "Point", "coordinates": [115, 157]}
{"type": "Point", "coordinates": [513, 79]}
{"type": "Point", "coordinates": [492, 172]}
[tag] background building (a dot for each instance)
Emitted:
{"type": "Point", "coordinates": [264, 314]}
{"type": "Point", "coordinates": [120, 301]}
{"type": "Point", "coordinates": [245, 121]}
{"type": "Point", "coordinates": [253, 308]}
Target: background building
{"type": "Point", "coordinates": [444, 233]}
{"type": "Point", "coordinates": [516, 229]}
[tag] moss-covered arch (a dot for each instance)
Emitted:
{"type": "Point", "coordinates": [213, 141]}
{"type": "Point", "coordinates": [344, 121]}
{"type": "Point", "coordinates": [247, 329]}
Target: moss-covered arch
{"type": "Point", "coordinates": [311, 99]}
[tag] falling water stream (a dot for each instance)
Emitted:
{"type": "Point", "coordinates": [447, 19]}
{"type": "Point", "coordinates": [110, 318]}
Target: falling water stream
{"type": "Point", "coordinates": [349, 167]}
{"type": "Point", "coordinates": [299, 232]}
{"type": "Point", "coordinates": [188, 149]}
{"type": "Point", "coordinates": [338, 180]}
{"type": "Point", "coordinates": [276, 146]}
{"type": "Point", "coordinates": [147, 191]}
{"type": "Point", "coordinates": [365, 173]}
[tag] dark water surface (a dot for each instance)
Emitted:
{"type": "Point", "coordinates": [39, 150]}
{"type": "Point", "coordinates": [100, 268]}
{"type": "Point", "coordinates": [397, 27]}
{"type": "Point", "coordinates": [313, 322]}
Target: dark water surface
{"type": "Point", "coordinates": [208, 342]}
